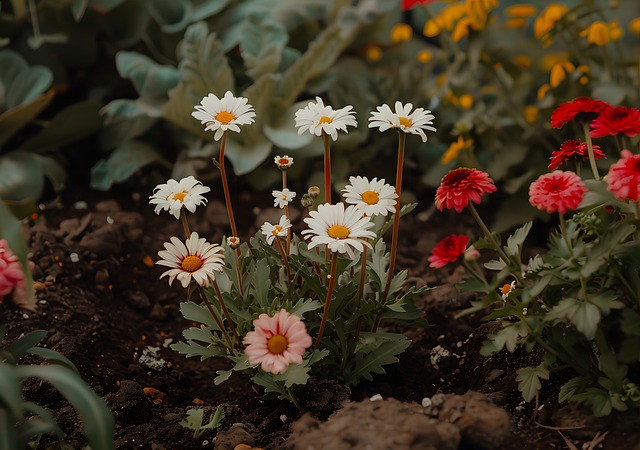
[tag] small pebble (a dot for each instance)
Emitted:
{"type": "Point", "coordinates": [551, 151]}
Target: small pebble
{"type": "Point", "coordinates": [74, 257]}
{"type": "Point", "coordinates": [110, 220]}
{"type": "Point", "coordinates": [283, 418]}
{"type": "Point", "coordinates": [376, 398]}
{"type": "Point", "coordinates": [426, 402]}
{"type": "Point", "coordinates": [81, 205]}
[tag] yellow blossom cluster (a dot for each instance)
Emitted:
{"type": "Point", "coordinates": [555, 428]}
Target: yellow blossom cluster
{"type": "Point", "coordinates": [459, 18]}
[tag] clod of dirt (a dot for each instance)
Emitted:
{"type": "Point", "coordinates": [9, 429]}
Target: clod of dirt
{"type": "Point", "coordinates": [239, 433]}
{"type": "Point", "coordinates": [378, 425]}
{"type": "Point", "coordinates": [129, 404]}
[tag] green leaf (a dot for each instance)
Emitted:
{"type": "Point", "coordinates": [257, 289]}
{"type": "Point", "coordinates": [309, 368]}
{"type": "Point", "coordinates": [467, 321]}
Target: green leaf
{"type": "Point", "coordinates": [122, 164]}
{"type": "Point", "coordinates": [10, 393]}
{"type": "Point", "coordinates": [78, 8]}
{"type": "Point", "coordinates": [16, 118]}
{"type": "Point", "coordinates": [54, 357]}
{"type": "Point", "coordinates": [22, 175]}
{"type": "Point", "coordinates": [97, 421]}
{"type": "Point", "coordinates": [151, 80]}
{"type": "Point", "coordinates": [71, 124]}
{"type": "Point", "coordinates": [246, 157]}
{"type": "Point", "coordinates": [46, 424]}
{"type": "Point", "coordinates": [529, 380]}
{"type": "Point", "coordinates": [373, 357]}
{"type": "Point", "coordinates": [196, 313]}
{"type": "Point", "coordinates": [8, 437]}
{"type": "Point", "coordinates": [295, 374]}
{"type": "Point", "coordinates": [598, 399]}
{"type": "Point", "coordinates": [515, 241]}
{"type": "Point", "coordinates": [305, 305]}
{"type": "Point", "coordinates": [261, 45]}
{"type": "Point", "coordinates": [507, 338]}
{"type": "Point", "coordinates": [178, 110]}
{"type": "Point", "coordinates": [19, 83]}
{"type": "Point", "coordinates": [570, 388]}
{"type": "Point", "coordinates": [24, 344]}
{"type": "Point", "coordinates": [584, 315]}
{"type": "Point", "coordinates": [203, 66]}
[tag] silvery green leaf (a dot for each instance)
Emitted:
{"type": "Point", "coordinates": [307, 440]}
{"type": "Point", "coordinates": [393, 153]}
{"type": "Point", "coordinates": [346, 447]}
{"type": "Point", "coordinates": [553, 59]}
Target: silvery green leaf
{"type": "Point", "coordinates": [246, 157]}
{"type": "Point", "coordinates": [529, 380]}
{"type": "Point", "coordinates": [151, 80]}
{"type": "Point", "coordinates": [122, 163]}
{"type": "Point", "coordinates": [20, 83]}
{"type": "Point", "coordinates": [22, 175]}
{"type": "Point", "coordinates": [584, 315]}
{"type": "Point", "coordinates": [515, 241]}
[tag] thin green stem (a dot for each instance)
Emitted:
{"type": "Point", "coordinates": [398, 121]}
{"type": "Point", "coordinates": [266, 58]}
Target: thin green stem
{"type": "Point", "coordinates": [363, 277]}
{"type": "Point", "coordinates": [286, 211]}
{"type": "Point", "coordinates": [185, 223]}
{"type": "Point", "coordinates": [284, 258]}
{"type": "Point", "coordinates": [396, 218]}
{"type": "Point", "coordinates": [225, 311]}
{"type": "Point", "coordinates": [592, 158]}
{"type": "Point", "coordinates": [216, 319]}
{"type": "Point", "coordinates": [327, 301]}
{"type": "Point", "coordinates": [327, 167]}
{"type": "Point", "coordinates": [225, 187]}
{"type": "Point", "coordinates": [238, 274]}
{"type": "Point", "coordinates": [293, 399]}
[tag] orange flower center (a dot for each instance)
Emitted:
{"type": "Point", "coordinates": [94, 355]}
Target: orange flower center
{"type": "Point", "coordinates": [191, 263]}
{"type": "Point", "coordinates": [277, 344]}
{"type": "Point", "coordinates": [324, 119]}
{"type": "Point", "coordinates": [405, 122]}
{"type": "Point", "coordinates": [276, 230]}
{"type": "Point", "coordinates": [179, 196]}
{"type": "Point", "coordinates": [370, 197]}
{"type": "Point", "coordinates": [283, 161]}
{"type": "Point", "coordinates": [225, 117]}
{"type": "Point", "coordinates": [505, 289]}
{"type": "Point", "coordinates": [338, 232]}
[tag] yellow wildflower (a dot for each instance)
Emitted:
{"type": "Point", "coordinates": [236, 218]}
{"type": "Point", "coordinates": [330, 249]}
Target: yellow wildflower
{"type": "Point", "coordinates": [549, 60]}
{"type": "Point", "coordinates": [634, 26]}
{"type": "Point", "coordinates": [542, 92]}
{"type": "Point", "coordinates": [597, 33]}
{"type": "Point", "coordinates": [615, 30]}
{"type": "Point", "coordinates": [515, 23]}
{"type": "Point", "coordinates": [373, 53]}
{"type": "Point", "coordinates": [466, 101]}
{"type": "Point", "coordinates": [547, 20]}
{"type": "Point", "coordinates": [455, 148]}
{"type": "Point", "coordinates": [583, 80]}
{"type": "Point", "coordinates": [530, 113]}
{"type": "Point", "coordinates": [559, 72]}
{"type": "Point", "coordinates": [401, 32]}
{"type": "Point", "coordinates": [520, 10]}
{"type": "Point", "coordinates": [522, 61]}
{"type": "Point", "coordinates": [431, 28]}
{"type": "Point", "coordinates": [478, 11]}
{"type": "Point", "coordinates": [461, 30]}
{"type": "Point", "coordinates": [424, 56]}
{"type": "Point", "coordinates": [449, 15]}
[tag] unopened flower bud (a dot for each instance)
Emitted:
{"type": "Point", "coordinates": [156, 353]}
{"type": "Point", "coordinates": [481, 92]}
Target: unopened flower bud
{"type": "Point", "coordinates": [233, 242]}
{"type": "Point", "coordinates": [306, 201]}
{"type": "Point", "coordinates": [313, 191]}
{"type": "Point", "coordinates": [471, 254]}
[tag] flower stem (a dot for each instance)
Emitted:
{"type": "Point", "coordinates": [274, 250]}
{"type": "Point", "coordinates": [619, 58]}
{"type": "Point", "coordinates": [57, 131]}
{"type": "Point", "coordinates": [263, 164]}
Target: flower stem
{"type": "Point", "coordinates": [225, 311]}
{"type": "Point", "coordinates": [284, 258]}
{"type": "Point", "coordinates": [327, 168]}
{"type": "Point", "coordinates": [396, 217]}
{"type": "Point", "coordinates": [237, 261]}
{"type": "Point", "coordinates": [286, 210]}
{"type": "Point", "coordinates": [327, 302]}
{"type": "Point", "coordinates": [592, 158]}
{"type": "Point", "coordinates": [363, 273]}
{"type": "Point", "coordinates": [185, 223]}
{"type": "Point", "coordinates": [225, 187]}
{"type": "Point", "coordinates": [217, 320]}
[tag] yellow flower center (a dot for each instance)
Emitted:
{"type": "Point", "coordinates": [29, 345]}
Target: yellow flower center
{"type": "Point", "coordinates": [191, 263]}
{"type": "Point", "coordinates": [179, 196]}
{"type": "Point", "coordinates": [338, 232]}
{"type": "Point", "coordinates": [404, 121]}
{"type": "Point", "coordinates": [277, 344]}
{"type": "Point", "coordinates": [276, 230]}
{"type": "Point", "coordinates": [370, 197]}
{"type": "Point", "coordinates": [324, 119]}
{"type": "Point", "coordinates": [225, 117]}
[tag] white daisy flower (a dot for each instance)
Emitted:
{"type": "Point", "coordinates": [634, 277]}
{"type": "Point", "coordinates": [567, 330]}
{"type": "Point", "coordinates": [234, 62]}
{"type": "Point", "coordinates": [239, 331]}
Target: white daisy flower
{"type": "Point", "coordinates": [372, 197]}
{"type": "Point", "coordinates": [283, 162]}
{"type": "Point", "coordinates": [222, 114]}
{"type": "Point", "coordinates": [195, 259]}
{"type": "Point", "coordinates": [342, 230]}
{"type": "Point", "coordinates": [173, 195]}
{"type": "Point", "coordinates": [403, 119]}
{"type": "Point", "coordinates": [282, 198]}
{"type": "Point", "coordinates": [271, 231]}
{"type": "Point", "coordinates": [318, 118]}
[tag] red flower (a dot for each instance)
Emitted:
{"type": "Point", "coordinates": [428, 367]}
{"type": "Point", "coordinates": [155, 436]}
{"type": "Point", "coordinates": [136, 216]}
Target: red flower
{"type": "Point", "coordinates": [581, 108]}
{"type": "Point", "coordinates": [557, 191]}
{"type": "Point", "coordinates": [570, 148]}
{"type": "Point", "coordinates": [448, 250]}
{"type": "Point", "coordinates": [461, 185]}
{"type": "Point", "coordinates": [624, 177]}
{"type": "Point", "coordinates": [616, 120]}
{"type": "Point", "coordinates": [407, 4]}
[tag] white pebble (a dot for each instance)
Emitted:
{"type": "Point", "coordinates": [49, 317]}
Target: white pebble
{"type": "Point", "coordinates": [110, 220]}
{"type": "Point", "coordinates": [376, 397]}
{"type": "Point", "coordinates": [74, 257]}
{"type": "Point", "coordinates": [283, 418]}
{"type": "Point", "coordinates": [426, 402]}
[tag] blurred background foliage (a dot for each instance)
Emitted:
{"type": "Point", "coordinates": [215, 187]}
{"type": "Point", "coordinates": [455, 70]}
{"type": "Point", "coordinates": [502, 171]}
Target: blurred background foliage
{"type": "Point", "coordinates": [110, 85]}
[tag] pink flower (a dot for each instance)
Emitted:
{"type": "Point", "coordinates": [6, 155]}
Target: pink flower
{"type": "Point", "coordinates": [462, 185]}
{"type": "Point", "coordinates": [616, 120]}
{"type": "Point", "coordinates": [11, 274]}
{"type": "Point", "coordinates": [581, 108]}
{"type": "Point", "coordinates": [448, 250]}
{"type": "Point", "coordinates": [557, 191]}
{"type": "Point", "coordinates": [623, 179]}
{"type": "Point", "coordinates": [277, 341]}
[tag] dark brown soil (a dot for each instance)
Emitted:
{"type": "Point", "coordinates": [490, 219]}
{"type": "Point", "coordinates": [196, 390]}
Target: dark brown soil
{"type": "Point", "coordinates": [105, 309]}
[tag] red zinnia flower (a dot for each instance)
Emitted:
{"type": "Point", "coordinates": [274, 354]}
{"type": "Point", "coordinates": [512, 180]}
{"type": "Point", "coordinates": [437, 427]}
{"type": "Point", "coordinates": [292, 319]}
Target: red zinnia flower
{"type": "Point", "coordinates": [624, 177]}
{"type": "Point", "coordinates": [407, 4]}
{"type": "Point", "coordinates": [448, 250]}
{"type": "Point", "coordinates": [570, 148]}
{"type": "Point", "coordinates": [616, 120]}
{"type": "Point", "coordinates": [461, 185]}
{"type": "Point", "coordinates": [557, 191]}
{"type": "Point", "coordinates": [582, 108]}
